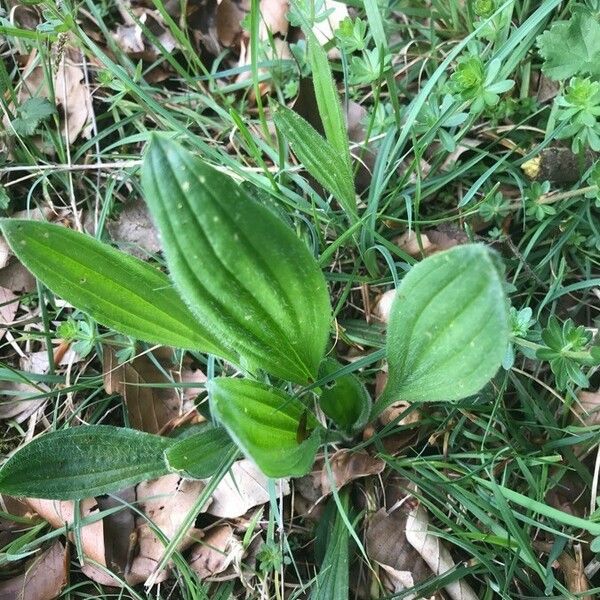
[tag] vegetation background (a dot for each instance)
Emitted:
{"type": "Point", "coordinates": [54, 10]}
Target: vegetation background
{"type": "Point", "coordinates": [468, 121]}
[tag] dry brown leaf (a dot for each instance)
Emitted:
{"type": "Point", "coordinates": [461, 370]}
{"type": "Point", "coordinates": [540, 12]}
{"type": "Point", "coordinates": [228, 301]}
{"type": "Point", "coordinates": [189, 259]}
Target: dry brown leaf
{"type": "Point", "coordinates": [60, 512]}
{"type": "Point", "coordinates": [431, 548]}
{"type": "Point", "coordinates": [383, 306]}
{"type": "Point", "coordinates": [16, 277]}
{"type": "Point", "coordinates": [345, 465]}
{"type": "Point", "coordinates": [134, 230]}
{"type": "Point", "coordinates": [43, 579]}
{"type": "Point", "coordinates": [166, 502]}
{"type": "Point", "coordinates": [15, 400]}
{"type": "Point", "coordinates": [588, 408]}
{"type": "Point", "coordinates": [219, 548]}
{"type": "Point", "coordinates": [241, 489]}
{"type": "Point", "coordinates": [415, 245]}
{"type": "Point", "coordinates": [70, 92]}
{"type": "Point", "coordinates": [150, 409]}
{"type": "Point", "coordinates": [386, 544]}
{"type": "Point", "coordinates": [39, 362]}
{"type": "Point", "coordinates": [9, 304]}
{"type": "Point", "coordinates": [132, 40]}
{"type": "Point", "coordinates": [229, 17]}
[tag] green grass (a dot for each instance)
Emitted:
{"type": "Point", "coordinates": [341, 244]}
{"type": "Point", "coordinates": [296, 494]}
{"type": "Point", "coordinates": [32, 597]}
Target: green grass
{"type": "Point", "coordinates": [517, 435]}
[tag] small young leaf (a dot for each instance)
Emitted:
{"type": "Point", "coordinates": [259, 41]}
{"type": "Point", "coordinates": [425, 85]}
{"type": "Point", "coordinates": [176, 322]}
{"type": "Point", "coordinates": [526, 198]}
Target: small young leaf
{"type": "Point", "coordinates": [319, 157]}
{"type": "Point", "coordinates": [330, 109]}
{"type": "Point", "coordinates": [448, 329]}
{"type": "Point", "coordinates": [247, 277]}
{"type": "Point", "coordinates": [199, 455]}
{"type": "Point", "coordinates": [264, 422]}
{"type": "Point", "coordinates": [115, 289]}
{"type": "Point", "coordinates": [84, 461]}
{"type": "Point", "coordinates": [345, 400]}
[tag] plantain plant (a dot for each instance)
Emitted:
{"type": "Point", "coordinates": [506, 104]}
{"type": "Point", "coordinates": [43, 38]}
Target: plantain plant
{"type": "Point", "coordinates": [244, 287]}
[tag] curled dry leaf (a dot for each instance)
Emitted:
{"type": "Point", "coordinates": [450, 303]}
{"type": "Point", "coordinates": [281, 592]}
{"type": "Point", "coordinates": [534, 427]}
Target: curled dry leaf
{"type": "Point", "coordinates": [44, 576]}
{"type": "Point", "coordinates": [433, 552]}
{"type": "Point", "coordinates": [345, 466]}
{"type": "Point", "coordinates": [415, 245]}
{"type": "Point", "coordinates": [243, 488]}
{"type": "Point", "coordinates": [219, 548]}
{"type": "Point", "coordinates": [166, 502]}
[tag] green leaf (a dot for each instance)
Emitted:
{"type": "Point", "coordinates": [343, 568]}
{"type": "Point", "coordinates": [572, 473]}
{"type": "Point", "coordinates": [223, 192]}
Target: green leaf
{"type": "Point", "coordinates": [83, 461]}
{"type": "Point", "coordinates": [247, 277]}
{"type": "Point", "coordinates": [31, 113]}
{"type": "Point", "coordinates": [345, 400]}
{"type": "Point", "coordinates": [199, 455]}
{"type": "Point", "coordinates": [117, 290]}
{"type": "Point", "coordinates": [273, 429]}
{"type": "Point", "coordinates": [319, 157]}
{"type": "Point", "coordinates": [448, 329]}
{"type": "Point", "coordinates": [328, 102]}
{"type": "Point", "coordinates": [571, 47]}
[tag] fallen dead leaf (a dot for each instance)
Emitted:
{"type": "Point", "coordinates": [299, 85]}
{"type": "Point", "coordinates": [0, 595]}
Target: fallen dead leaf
{"type": "Point", "coordinates": [219, 548]}
{"type": "Point", "coordinates": [43, 579]}
{"type": "Point", "coordinates": [134, 230]}
{"type": "Point", "coordinates": [132, 40]}
{"type": "Point", "coordinates": [383, 306]}
{"type": "Point", "coordinates": [9, 304]}
{"type": "Point", "coordinates": [16, 278]}
{"type": "Point", "coordinates": [431, 548]}
{"type": "Point", "coordinates": [71, 93]}
{"type": "Point", "coordinates": [59, 513]}
{"type": "Point", "coordinates": [166, 502]}
{"type": "Point", "coordinates": [345, 466]}
{"type": "Point", "coordinates": [229, 17]}
{"type": "Point", "coordinates": [150, 409]}
{"type": "Point", "coordinates": [18, 400]}
{"type": "Point", "coordinates": [415, 245]}
{"type": "Point", "coordinates": [385, 537]}
{"type": "Point", "coordinates": [588, 409]}
{"type": "Point", "coordinates": [241, 489]}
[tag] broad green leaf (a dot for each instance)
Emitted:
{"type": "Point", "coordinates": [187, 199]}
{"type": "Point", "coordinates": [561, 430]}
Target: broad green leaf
{"type": "Point", "coordinates": [246, 276]}
{"type": "Point", "coordinates": [319, 157]}
{"type": "Point", "coordinates": [84, 461]}
{"type": "Point", "coordinates": [199, 455]}
{"type": "Point", "coordinates": [448, 329]}
{"type": "Point", "coordinates": [328, 102]}
{"type": "Point", "coordinates": [115, 289]}
{"type": "Point", "coordinates": [572, 47]}
{"type": "Point", "coordinates": [345, 400]}
{"type": "Point", "coordinates": [273, 429]}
